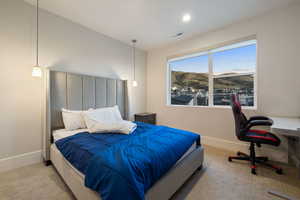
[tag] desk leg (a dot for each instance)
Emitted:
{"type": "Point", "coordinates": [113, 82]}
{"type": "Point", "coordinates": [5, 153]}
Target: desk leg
{"type": "Point", "coordinates": [294, 151]}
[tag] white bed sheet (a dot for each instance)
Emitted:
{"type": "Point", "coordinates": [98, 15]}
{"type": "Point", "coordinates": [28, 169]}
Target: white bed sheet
{"type": "Point", "coordinates": [62, 133]}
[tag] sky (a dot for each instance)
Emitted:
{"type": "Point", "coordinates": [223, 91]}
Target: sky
{"type": "Point", "coordinates": [242, 59]}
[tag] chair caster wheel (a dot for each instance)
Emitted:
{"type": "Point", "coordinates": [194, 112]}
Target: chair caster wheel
{"type": "Point", "coordinates": [253, 171]}
{"type": "Point", "coordinates": [229, 159]}
{"type": "Point", "coordinates": [279, 171]}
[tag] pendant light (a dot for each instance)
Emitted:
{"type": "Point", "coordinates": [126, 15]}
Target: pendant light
{"type": "Point", "coordinates": [37, 70]}
{"type": "Point", "coordinates": [134, 82]}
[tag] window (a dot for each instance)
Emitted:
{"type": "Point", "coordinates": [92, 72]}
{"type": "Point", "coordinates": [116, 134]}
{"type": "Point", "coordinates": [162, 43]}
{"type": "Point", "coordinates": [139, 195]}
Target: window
{"type": "Point", "coordinates": [209, 78]}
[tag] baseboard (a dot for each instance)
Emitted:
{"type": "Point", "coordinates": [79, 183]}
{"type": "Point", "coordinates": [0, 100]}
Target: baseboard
{"type": "Point", "coordinates": [224, 144]}
{"type": "Point", "coordinates": [20, 160]}
{"type": "Point", "coordinates": [278, 155]}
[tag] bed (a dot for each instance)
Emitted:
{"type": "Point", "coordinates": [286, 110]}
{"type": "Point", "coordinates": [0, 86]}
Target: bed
{"type": "Point", "coordinates": [80, 92]}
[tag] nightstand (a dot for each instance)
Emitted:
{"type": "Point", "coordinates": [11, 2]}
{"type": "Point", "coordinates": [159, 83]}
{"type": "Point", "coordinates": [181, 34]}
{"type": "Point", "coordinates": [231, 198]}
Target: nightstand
{"type": "Point", "coordinates": [149, 118]}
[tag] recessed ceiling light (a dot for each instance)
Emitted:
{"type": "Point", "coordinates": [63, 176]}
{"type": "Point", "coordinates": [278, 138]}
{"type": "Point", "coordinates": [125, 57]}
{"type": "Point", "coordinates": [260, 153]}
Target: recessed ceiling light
{"type": "Point", "coordinates": [186, 18]}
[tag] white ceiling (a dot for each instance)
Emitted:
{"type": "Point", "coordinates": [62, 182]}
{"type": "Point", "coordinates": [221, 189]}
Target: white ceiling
{"type": "Point", "coordinates": [153, 22]}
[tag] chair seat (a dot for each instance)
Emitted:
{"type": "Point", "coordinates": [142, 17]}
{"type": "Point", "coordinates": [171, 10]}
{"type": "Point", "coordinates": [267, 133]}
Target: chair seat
{"type": "Point", "coordinates": [262, 137]}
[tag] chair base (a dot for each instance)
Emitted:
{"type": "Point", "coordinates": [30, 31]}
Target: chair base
{"type": "Point", "coordinates": [254, 160]}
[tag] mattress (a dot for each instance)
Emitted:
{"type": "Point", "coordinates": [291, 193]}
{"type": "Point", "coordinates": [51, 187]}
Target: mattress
{"type": "Point", "coordinates": [62, 133]}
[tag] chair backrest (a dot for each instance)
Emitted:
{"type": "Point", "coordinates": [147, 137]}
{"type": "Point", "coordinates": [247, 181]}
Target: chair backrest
{"type": "Point", "coordinates": [239, 117]}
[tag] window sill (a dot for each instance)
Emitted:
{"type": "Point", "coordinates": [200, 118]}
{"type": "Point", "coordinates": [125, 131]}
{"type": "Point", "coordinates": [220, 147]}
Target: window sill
{"type": "Point", "coordinates": [212, 107]}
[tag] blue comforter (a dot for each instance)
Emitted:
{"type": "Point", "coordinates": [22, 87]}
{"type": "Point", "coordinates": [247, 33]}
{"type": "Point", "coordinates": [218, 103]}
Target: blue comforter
{"type": "Point", "coordinates": [122, 166]}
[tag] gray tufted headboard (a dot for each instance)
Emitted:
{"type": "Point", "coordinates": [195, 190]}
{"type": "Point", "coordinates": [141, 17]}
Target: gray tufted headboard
{"type": "Point", "coordinates": [79, 92]}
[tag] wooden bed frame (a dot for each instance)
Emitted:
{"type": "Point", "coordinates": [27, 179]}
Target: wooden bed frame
{"type": "Point", "coordinates": [80, 92]}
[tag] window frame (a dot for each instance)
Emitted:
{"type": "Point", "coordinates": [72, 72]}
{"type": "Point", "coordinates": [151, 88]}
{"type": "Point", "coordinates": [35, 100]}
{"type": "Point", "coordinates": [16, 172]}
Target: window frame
{"type": "Point", "coordinates": [209, 51]}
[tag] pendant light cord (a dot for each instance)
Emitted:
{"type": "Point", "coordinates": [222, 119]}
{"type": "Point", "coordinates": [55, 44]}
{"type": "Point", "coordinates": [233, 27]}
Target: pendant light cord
{"type": "Point", "coordinates": [37, 32]}
{"type": "Point", "coordinates": [134, 61]}
{"type": "Point", "coordinates": [133, 44]}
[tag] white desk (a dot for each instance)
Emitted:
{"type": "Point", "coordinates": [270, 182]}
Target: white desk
{"type": "Point", "coordinates": [286, 126]}
{"type": "Point", "coordinates": [289, 127]}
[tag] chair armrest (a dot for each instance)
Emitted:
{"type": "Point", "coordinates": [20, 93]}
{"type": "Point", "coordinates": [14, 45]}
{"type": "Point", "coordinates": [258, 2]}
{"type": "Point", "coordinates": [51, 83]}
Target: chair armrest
{"type": "Point", "coordinates": [258, 118]}
{"type": "Point", "coordinates": [258, 123]}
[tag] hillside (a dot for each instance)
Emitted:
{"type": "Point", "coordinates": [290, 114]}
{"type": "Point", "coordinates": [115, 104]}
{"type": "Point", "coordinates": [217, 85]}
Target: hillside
{"type": "Point", "coordinates": [200, 81]}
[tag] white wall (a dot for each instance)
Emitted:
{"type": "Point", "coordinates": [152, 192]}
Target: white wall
{"type": "Point", "coordinates": [278, 35]}
{"type": "Point", "coordinates": [63, 46]}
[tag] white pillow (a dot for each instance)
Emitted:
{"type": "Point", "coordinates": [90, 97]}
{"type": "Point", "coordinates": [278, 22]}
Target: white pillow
{"type": "Point", "coordinates": [109, 114]}
{"type": "Point", "coordinates": [73, 120]}
{"type": "Point", "coordinates": [104, 120]}
{"type": "Point", "coordinates": [123, 126]}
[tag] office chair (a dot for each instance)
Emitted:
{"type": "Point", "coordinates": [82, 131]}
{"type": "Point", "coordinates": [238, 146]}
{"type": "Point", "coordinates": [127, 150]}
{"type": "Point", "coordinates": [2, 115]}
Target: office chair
{"type": "Point", "coordinates": [245, 133]}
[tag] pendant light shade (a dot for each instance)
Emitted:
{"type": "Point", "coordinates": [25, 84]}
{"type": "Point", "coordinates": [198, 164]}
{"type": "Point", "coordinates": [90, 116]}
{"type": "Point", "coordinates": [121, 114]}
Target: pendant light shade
{"type": "Point", "coordinates": [134, 82]}
{"type": "Point", "coordinates": [37, 70]}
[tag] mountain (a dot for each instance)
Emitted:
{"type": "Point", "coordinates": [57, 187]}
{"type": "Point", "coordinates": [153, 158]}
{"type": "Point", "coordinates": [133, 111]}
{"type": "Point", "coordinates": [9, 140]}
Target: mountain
{"type": "Point", "coordinates": [200, 80]}
{"type": "Point", "coordinates": [189, 79]}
